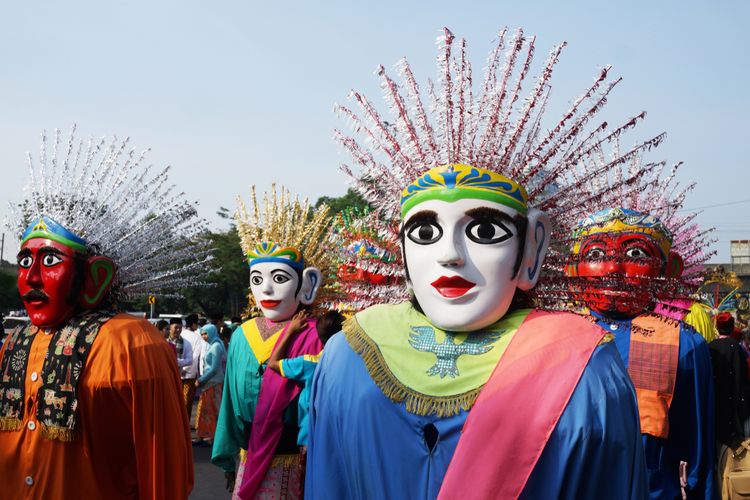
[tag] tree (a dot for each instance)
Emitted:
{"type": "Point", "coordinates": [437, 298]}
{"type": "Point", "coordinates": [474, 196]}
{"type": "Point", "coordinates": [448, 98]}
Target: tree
{"type": "Point", "coordinates": [337, 204]}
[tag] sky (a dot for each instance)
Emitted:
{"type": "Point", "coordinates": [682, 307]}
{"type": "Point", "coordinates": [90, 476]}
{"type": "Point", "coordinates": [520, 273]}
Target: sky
{"type": "Point", "coordinates": [238, 93]}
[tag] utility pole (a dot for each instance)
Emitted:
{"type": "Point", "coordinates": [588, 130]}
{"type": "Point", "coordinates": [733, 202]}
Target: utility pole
{"type": "Point", "coordinates": [2, 248]}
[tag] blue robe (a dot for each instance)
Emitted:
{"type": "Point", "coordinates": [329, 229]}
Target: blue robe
{"type": "Point", "coordinates": [362, 445]}
{"type": "Point", "coordinates": [691, 418]}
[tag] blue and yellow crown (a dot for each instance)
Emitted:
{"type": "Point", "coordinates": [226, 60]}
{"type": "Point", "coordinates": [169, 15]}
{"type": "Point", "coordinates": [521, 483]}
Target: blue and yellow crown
{"type": "Point", "coordinates": [623, 220]}
{"type": "Point", "coordinates": [265, 251]}
{"type": "Point", "coordinates": [458, 181]}
{"type": "Point", "coordinates": [45, 227]}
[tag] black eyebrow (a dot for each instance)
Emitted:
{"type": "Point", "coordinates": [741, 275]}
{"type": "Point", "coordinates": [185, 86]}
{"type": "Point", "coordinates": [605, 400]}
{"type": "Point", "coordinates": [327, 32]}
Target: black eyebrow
{"type": "Point", "coordinates": [422, 217]}
{"type": "Point", "coordinates": [280, 270]}
{"type": "Point", "coordinates": [46, 249]}
{"type": "Point", "coordinates": [595, 239]}
{"type": "Point", "coordinates": [487, 213]}
{"type": "Point", "coordinates": [53, 251]}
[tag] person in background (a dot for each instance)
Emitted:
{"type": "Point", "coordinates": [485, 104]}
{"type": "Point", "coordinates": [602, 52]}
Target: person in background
{"type": "Point", "coordinates": [213, 364]}
{"type": "Point", "coordinates": [163, 326]}
{"type": "Point", "coordinates": [302, 368]}
{"type": "Point", "coordinates": [731, 384]}
{"type": "Point", "coordinates": [190, 373]}
{"type": "Point", "coordinates": [183, 349]}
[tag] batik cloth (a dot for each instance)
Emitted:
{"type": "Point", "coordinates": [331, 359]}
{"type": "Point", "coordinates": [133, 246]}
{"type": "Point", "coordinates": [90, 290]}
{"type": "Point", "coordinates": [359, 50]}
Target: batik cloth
{"type": "Point", "coordinates": [208, 411]}
{"type": "Point", "coordinates": [64, 363]}
{"type": "Point", "coordinates": [284, 479]}
{"type": "Point", "coordinates": [188, 394]}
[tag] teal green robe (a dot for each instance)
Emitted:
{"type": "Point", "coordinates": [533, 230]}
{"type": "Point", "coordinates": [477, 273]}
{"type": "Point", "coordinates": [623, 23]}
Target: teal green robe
{"type": "Point", "coordinates": [240, 395]}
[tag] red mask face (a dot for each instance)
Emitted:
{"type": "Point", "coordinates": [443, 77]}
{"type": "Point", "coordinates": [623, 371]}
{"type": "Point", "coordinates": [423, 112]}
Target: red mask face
{"type": "Point", "coordinates": [616, 269]}
{"type": "Point", "coordinates": [354, 274]}
{"type": "Point", "coordinates": [46, 276]}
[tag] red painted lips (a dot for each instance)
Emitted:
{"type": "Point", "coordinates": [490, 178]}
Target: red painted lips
{"type": "Point", "coordinates": [452, 287]}
{"type": "Point", "coordinates": [269, 304]}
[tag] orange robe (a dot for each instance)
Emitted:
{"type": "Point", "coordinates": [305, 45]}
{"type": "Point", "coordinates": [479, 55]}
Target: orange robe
{"type": "Point", "coordinates": [133, 437]}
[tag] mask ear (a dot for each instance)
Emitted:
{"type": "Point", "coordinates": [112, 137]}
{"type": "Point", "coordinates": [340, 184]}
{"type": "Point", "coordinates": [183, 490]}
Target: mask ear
{"type": "Point", "coordinates": [311, 281]}
{"type": "Point", "coordinates": [538, 234]}
{"type": "Point", "coordinates": [675, 265]}
{"type": "Point", "coordinates": [100, 272]}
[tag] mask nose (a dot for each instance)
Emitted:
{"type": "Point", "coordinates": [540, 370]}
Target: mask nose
{"type": "Point", "coordinates": [612, 267]}
{"type": "Point", "coordinates": [451, 253]}
{"type": "Point", "coordinates": [34, 276]}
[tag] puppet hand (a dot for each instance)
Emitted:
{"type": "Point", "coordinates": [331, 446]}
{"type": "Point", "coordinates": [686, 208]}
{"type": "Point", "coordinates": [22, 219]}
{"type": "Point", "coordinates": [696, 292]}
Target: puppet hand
{"type": "Point", "coordinates": [230, 477]}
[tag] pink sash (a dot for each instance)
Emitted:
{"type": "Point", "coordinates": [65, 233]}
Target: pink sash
{"type": "Point", "coordinates": [276, 393]}
{"type": "Point", "coordinates": [516, 412]}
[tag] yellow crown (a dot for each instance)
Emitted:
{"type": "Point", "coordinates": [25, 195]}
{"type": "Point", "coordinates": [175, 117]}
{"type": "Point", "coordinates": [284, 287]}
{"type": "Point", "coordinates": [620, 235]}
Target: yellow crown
{"type": "Point", "coordinates": [458, 181]}
{"type": "Point", "coordinates": [287, 229]}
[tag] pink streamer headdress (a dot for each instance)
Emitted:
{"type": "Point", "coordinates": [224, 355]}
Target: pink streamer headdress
{"type": "Point", "coordinates": [570, 170]}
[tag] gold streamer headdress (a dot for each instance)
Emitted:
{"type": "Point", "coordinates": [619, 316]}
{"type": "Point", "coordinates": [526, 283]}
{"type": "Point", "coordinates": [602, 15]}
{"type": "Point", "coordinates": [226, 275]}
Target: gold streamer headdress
{"type": "Point", "coordinates": [288, 231]}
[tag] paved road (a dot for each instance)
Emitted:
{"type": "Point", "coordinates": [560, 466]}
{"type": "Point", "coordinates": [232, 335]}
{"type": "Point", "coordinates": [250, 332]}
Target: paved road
{"type": "Point", "coordinates": [209, 479]}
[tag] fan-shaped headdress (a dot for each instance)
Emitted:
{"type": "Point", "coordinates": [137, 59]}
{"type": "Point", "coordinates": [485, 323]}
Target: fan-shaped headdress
{"type": "Point", "coordinates": [489, 141]}
{"type": "Point", "coordinates": [368, 256]}
{"type": "Point", "coordinates": [98, 197]}
{"type": "Point", "coordinates": [288, 231]}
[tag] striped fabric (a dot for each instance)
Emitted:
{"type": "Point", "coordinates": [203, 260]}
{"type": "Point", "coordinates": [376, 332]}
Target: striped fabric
{"type": "Point", "coordinates": [652, 365]}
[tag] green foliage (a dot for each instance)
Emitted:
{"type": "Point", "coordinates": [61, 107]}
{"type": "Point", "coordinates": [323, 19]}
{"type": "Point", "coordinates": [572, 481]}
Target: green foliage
{"type": "Point", "coordinates": [337, 204]}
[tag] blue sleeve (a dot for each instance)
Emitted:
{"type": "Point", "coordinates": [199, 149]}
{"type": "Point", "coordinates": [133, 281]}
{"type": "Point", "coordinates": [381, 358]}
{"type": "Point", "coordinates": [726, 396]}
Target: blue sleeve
{"type": "Point", "coordinates": [325, 475]}
{"type": "Point", "coordinates": [187, 355]}
{"type": "Point", "coordinates": [595, 451]}
{"type": "Point", "coordinates": [212, 362]}
{"type": "Point", "coordinates": [293, 368]}
{"type": "Point", "coordinates": [699, 423]}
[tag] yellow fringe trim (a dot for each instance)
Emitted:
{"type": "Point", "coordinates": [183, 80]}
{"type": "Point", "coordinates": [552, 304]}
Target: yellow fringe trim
{"type": "Point", "coordinates": [607, 338]}
{"type": "Point", "coordinates": [59, 433]}
{"type": "Point", "coordinates": [416, 403]}
{"type": "Point", "coordinates": [285, 461]}
{"type": "Point", "coordinates": [10, 424]}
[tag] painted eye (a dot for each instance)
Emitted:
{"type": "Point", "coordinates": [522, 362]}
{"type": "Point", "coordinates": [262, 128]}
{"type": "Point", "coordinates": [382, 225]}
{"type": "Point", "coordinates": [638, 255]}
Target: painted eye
{"type": "Point", "coordinates": [636, 253]}
{"type": "Point", "coordinates": [256, 279]}
{"type": "Point", "coordinates": [25, 261]}
{"type": "Point", "coordinates": [594, 254]}
{"type": "Point", "coordinates": [425, 233]}
{"type": "Point", "coordinates": [280, 278]}
{"type": "Point", "coordinates": [487, 232]}
{"type": "Point", "coordinates": [50, 260]}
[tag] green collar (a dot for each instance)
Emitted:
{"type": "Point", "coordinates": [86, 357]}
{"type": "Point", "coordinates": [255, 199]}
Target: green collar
{"type": "Point", "coordinates": [430, 370]}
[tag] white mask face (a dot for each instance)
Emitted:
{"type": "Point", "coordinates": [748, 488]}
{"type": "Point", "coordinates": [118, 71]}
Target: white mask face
{"type": "Point", "coordinates": [274, 286]}
{"type": "Point", "coordinates": [461, 257]}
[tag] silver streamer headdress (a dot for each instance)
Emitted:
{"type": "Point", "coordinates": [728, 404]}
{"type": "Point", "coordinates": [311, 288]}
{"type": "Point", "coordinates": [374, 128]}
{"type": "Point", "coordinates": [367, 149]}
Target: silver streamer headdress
{"type": "Point", "coordinates": [101, 191]}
